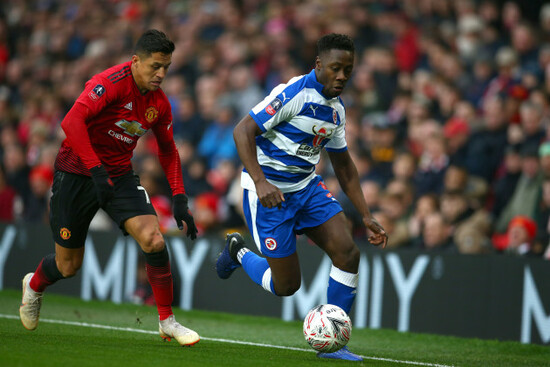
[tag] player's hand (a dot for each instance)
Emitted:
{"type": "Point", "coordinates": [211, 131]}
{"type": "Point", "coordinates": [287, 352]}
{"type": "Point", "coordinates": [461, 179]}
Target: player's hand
{"type": "Point", "coordinates": [379, 236]}
{"type": "Point", "coordinates": [269, 195]}
{"type": "Point", "coordinates": [105, 189]}
{"type": "Point", "coordinates": [183, 215]}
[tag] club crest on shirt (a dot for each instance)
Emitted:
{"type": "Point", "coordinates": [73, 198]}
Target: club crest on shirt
{"type": "Point", "coordinates": [97, 92]}
{"type": "Point", "coordinates": [65, 233]}
{"type": "Point", "coordinates": [151, 114]}
{"type": "Point", "coordinates": [270, 243]}
{"type": "Point", "coordinates": [334, 116]}
{"type": "Point", "coordinates": [274, 106]}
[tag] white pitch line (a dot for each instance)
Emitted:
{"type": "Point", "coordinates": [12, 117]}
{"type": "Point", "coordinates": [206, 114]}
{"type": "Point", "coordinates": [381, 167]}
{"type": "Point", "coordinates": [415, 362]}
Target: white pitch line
{"type": "Point", "coordinates": [116, 328]}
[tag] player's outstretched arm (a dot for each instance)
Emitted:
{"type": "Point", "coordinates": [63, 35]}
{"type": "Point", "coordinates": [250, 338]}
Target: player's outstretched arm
{"type": "Point", "coordinates": [347, 175]}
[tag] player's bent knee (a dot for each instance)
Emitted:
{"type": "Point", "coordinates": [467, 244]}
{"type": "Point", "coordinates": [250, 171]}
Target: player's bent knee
{"type": "Point", "coordinates": [152, 243]}
{"type": "Point", "coordinates": [287, 289]}
{"type": "Point", "coordinates": [347, 260]}
{"type": "Point", "coordinates": [354, 254]}
{"type": "Point", "coordinates": [69, 268]}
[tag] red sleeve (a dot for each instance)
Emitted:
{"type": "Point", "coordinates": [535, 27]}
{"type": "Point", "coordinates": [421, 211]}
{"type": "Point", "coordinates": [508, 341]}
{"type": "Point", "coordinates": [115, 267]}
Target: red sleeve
{"type": "Point", "coordinates": [93, 99]}
{"type": "Point", "coordinates": [97, 94]}
{"type": "Point", "coordinates": [168, 156]}
{"type": "Point", "coordinates": [74, 126]}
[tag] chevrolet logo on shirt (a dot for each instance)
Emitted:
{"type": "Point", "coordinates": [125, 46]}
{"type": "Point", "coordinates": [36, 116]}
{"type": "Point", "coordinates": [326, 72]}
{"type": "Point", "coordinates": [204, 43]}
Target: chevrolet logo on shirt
{"type": "Point", "coordinates": [132, 128]}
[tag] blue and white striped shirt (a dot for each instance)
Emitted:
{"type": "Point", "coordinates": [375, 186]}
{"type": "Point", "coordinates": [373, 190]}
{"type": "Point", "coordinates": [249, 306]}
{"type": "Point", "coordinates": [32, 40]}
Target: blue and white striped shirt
{"type": "Point", "coordinates": [297, 121]}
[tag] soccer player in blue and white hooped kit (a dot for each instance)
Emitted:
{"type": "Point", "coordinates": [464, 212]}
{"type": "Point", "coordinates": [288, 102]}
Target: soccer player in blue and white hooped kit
{"type": "Point", "coordinates": [279, 143]}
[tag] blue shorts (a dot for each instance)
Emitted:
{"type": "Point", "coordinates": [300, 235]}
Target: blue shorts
{"type": "Point", "coordinates": [274, 230]}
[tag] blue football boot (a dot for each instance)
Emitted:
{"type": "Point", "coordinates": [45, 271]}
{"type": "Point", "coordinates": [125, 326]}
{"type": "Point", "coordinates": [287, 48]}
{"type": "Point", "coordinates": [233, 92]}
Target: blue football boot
{"type": "Point", "coordinates": [343, 353]}
{"type": "Point", "coordinates": [227, 261]}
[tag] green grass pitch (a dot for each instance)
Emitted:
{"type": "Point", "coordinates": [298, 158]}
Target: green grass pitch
{"type": "Point", "coordinates": [73, 332]}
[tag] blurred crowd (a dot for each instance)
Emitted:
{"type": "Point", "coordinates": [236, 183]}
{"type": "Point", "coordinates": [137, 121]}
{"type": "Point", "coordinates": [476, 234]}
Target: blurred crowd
{"type": "Point", "coordinates": [447, 111]}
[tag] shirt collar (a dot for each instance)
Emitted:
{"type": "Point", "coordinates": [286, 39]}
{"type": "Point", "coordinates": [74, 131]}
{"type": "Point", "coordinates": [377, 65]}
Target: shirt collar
{"type": "Point", "coordinates": [312, 82]}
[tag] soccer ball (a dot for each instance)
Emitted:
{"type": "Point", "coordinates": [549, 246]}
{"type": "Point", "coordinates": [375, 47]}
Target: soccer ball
{"type": "Point", "coordinates": [327, 328]}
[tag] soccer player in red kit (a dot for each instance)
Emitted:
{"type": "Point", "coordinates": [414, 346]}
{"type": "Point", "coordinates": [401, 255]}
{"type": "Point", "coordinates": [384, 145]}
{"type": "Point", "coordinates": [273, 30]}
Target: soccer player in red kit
{"type": "Point", "coordinates": [93, 170]}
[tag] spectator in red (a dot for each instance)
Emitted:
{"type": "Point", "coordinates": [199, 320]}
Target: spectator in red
{"type": "Point", "coordinates": [4, 49]}
{"type": "Point", "coordinates": [7, 199]}
{"type": "Point", "coordinates": [406, 46]}
{"type": "Point", "coordinates": [206, 211]}
{"type": "Point", "coordinates": [519, 237]}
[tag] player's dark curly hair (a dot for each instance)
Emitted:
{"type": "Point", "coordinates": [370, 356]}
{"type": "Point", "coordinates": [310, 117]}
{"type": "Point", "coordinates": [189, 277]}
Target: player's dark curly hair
{"type": "Point", "coordinates": [153, 41]}
{"type": "Point", "coordinates": [335, 41]}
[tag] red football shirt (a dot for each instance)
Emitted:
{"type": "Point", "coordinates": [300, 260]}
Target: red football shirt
{"type": "Point", "coordinates": [106, 121]}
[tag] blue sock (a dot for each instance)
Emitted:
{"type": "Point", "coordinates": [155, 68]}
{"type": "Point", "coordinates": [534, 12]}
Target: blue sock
{"type": "Point", "coordinates": [342, 288]}
{"type": "Point", "coordinates": [258, 270]}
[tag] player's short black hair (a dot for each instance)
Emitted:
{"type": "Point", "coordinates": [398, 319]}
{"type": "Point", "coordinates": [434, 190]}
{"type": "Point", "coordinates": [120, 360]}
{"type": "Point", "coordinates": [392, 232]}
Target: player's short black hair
{"type": "Point", "coordinates": [335, 41]}
{"type": "Point", "coordinates": [153, 41]}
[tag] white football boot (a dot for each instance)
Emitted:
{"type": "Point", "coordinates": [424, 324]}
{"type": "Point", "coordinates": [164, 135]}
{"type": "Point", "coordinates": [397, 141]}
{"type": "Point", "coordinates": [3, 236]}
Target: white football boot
{"type": "Point", "coordinates": [170, 328]}
{"type": "Point", "coordinates": [29, 312]}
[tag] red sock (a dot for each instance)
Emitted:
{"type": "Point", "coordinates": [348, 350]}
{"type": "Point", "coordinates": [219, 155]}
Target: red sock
{"type": "Point", "coordinates": [39, 280]}
{"type": "Point", "coordinates": [160, 279]}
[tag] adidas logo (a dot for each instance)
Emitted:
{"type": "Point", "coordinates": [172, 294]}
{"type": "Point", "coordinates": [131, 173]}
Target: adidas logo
{"type": "Point", "coordinates": [128, 106]}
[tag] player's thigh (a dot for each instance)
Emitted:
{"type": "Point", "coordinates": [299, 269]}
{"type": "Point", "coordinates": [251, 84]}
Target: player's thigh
{"type": "Point", "coordinates": [145, 230]}
{"type": "Point", "coordinates": [72, 207]}
{"type": "Point", "coordinates": [335, 239]}
{"type": "Point", "coordinates": [317, 206]}
{"type": "Point", "coordinates": [273, 229]}
{"type": "Point", "coordinates": [131, 200]}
